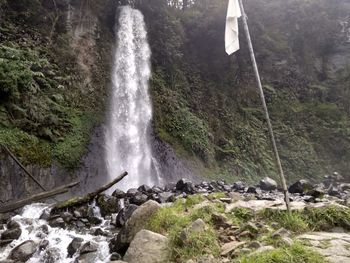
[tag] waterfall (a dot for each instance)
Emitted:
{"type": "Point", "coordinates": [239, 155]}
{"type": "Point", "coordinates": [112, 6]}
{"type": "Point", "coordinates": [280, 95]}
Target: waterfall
{"type": "Point", "coordinates": [128, 145]}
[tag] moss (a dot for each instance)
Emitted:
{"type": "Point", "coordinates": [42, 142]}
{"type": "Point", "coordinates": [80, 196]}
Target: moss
{"type": "Point", "coordinates": [296, 253]}
{"type": "Point", "coordinates": [70, 150]}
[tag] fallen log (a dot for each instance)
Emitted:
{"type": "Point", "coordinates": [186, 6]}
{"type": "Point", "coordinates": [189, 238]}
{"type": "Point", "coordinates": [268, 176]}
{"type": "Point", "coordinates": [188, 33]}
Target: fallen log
{"type": "Point", "coordinates": [87, 198]}
{"type": "Point", "coordinates": [35, 198]}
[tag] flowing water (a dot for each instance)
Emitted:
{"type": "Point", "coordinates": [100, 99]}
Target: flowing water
{"type": "Point", "coordinates": [128, 145]}
{"type": "Point", "coordinates": [33, 228]}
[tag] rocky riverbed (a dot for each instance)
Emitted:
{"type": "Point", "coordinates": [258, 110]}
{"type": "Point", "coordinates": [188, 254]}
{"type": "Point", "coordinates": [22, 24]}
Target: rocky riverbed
{"type": "Point", "coordinates": [134, 226]}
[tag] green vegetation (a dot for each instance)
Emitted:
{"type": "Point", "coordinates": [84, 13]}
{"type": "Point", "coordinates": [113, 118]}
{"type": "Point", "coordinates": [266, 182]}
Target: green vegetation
{"type": "Point", "coordinates": [294, 254]}
{"type": "Point", "coordinates": [173, 220]}
{"type": "Point", "coordinates": [312, 219]}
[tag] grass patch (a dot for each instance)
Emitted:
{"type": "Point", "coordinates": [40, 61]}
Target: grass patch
{"type": "Point", "coordinates": [172, 220]}
{"type": "Point", "coordinates": [214, 196]}
{"type": "Point", "coordinates": [295, 221]}
{"type": "Point", "coordinates": [294, 254]}
{"type": "Point", "coordinates": [327, 218]}
{"type": "Point", "coordinates": [315, 219]}
{"type": "Point", "coordinates": [241, 215]}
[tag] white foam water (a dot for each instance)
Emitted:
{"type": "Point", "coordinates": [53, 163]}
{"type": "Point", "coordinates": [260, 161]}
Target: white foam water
{"type": "Point", "coordinates": [127, 138]}
{"type": "Point", "coordinates": [59, 239]}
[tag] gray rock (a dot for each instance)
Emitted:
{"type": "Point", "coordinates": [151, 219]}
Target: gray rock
{"type": "Point", "coordinates": [166, 197]}
{"type": "Point", "coordinates": [139, 199]}
{"type": "Point", "coordinates": [132, 192]}
{"type": "Point", "coordinates": [108, 205]}
{"type": "Point", "coordinates": [13, 224]}
{"type": "Point", "coordinates": [144, 189]}
{"type": "Point", "coordinates": [300, 187]}
{"type": "Point", "coordinates": [67, 217]}
{"type": "Point", "coordinates": [57, 222]}
{"type": "Point", "coordinates": [195, 227]}
{"type": "Point", "coordinates": [74, 246]}
{"type": "Point", "coordinates": [119, 193]}
{"type": "Point", "coordinates": [88, 247]}
{"type": "Point", "coordinates": [239, 186]}
{"type": "Point", "coordinates": [185, 186]}
{"type": "Point", "coordinates": [136, 222]}
{"type": "Point", "coordinates": [148, 247]}
{"type": "Point", "coordinates": [268, 184]}
{"type": "Point", "coordinates": [23, 251]}
{"type": "Point", "coordinates": [11, 234]}
{"type": "Point", "coordinates": [43, 244]}
{"type": "Point", "coordinates": [125, 214]}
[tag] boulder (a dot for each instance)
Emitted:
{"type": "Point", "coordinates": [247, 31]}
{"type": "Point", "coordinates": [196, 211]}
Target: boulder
{"type": "Point", "coordinates": [268, 184]}
{"type": "Point", "coordinates": [318, 191]}
{"type": "Point", "coordinates": [11, 234]}
{"type": "Point", "coordinates": [300, 187]}
{"type": "Point", "coordinates": [148, 247]}
{"type": "Point", "coordinates": [195, 227]}
{"type": "Point", "coordinates": [138, 199]}
{"type": "Point", "coordinates": [74, 246]}
{"type": "Point", "coordinates": [185, 186]}
{"type": "Point", "coordinates": [119, 193]}
{"type": "Point", "coordinates": [57, 222]}
{"type": "Point", "coordinates": [132, 192]}
{"type": "Point", "coordinates": [145, 189]}
{"type": "Point", "coordinates": [133, 225]}
{"type": "Point", "coordinates": [88, 247]}
{"type": "Point", "coordinates": [166, 197]}
{"type": "Point", "coordinates": [23, 251]}
{"type": "Point", "coordinates": [239, 186]}
{"type": "Point", "coordinates": [108, 204]}
{"type": "Point", "coordinates": [125, 214]}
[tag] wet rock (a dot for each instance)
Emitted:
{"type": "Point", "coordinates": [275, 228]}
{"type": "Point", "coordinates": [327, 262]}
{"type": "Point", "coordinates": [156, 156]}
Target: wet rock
{"type": "Point", "coordinates": [124, 215]}
{"type": "Point", "coordinates": [23, 251]}
{"type": "Point", "coordinates": [166, 197]}
{"type": "Point", "coordinates": [74, 246]}
{"type": "Point", "coordinates": [44, 229]}
{"type": "Point", "coordinates": [67, 217]}
{"type": "Point", "coordinates": [132, 192]}
{"type": "Point", "coordinates": [185, 186]}
{"type": "Point", "coordinates": [268, 184]}
{"type": "Point", "coordinates": [12, 224]}
{"type": "Point", "coordinates": [4, 217]}
{"type": "Point", "coordinates": [158, 190]}
{"type": "Point", "coordinates": [95, 220]}
{"type": "Point", "coordinates": [77, 214]}
{"type": "Point", "coordinates": [5, 242]}
{"type": "Point", "coordinates": [139, 199]}
{"type": "Point", "coordinates": [88, 247]}
{"type": "Point", "coordinates": [253, 190]}
{"type": "Point", "coordinates": [119, 194]}
{"type": "Point", "coordinates": [144, 189]}
{"type": "Point", "coordinates": [115, 256]}
{"type": "Point", "coordinates": [98, 232]}
{"type": "Point", "coordinates": [44, 244]}
{"type": "Point", "coordinates": [300, 187]}
{"type": "Point", "coordinates": [51, 255]}
{"type": "Point", "coordinates": [57, 222]}
{"type": "Point", "coordinates": [11, 234]}
{"type": "Point", "coordinates": [108, 204]}
{"type": "Point", "coordinates": [147, 247]}
{"type": "Point", "coordinates": [132, 226]}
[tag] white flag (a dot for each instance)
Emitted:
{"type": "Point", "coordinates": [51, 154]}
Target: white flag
{"type": "Point", "coordinates": [231, 32]}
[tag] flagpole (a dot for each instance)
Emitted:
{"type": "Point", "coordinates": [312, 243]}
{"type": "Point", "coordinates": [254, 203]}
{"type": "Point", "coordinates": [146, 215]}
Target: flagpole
{"type": "Point", "coordinates": [262, 97]}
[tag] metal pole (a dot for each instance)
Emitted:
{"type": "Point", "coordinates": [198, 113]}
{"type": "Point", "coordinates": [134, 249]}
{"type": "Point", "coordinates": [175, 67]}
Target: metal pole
{"type": "Point", "coordinates": [262, 97]}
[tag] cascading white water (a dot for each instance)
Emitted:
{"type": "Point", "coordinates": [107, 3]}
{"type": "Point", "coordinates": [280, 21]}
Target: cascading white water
{"type": "Point", "coordinates": [58, 238]}
{"type": "Point", "coordinates": [128, 131]}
